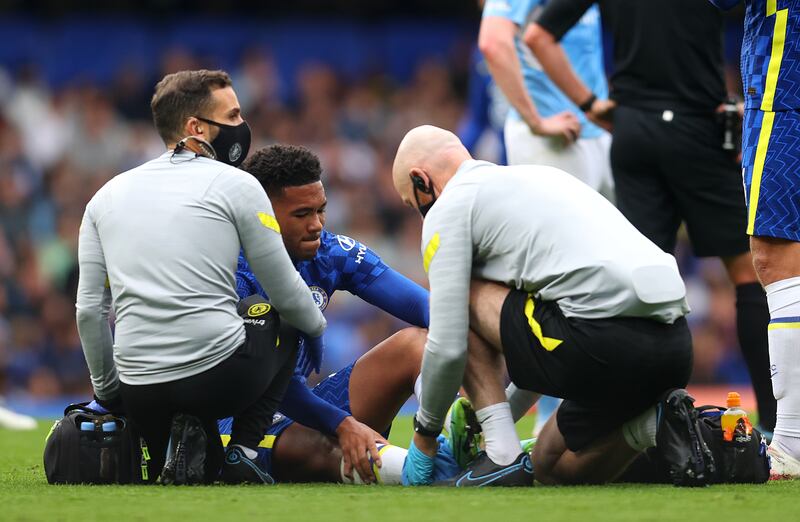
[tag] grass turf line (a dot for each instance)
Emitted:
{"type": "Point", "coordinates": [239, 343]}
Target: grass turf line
{"type": "Point", "coordinates": [25, 495]}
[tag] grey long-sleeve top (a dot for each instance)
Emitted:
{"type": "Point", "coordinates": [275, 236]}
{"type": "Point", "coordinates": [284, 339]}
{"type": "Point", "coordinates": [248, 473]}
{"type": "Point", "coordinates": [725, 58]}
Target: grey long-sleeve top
{"type": "Point", "coordinates": [540, 230]}
{"type": "Point", "coordinates": [161, 242]}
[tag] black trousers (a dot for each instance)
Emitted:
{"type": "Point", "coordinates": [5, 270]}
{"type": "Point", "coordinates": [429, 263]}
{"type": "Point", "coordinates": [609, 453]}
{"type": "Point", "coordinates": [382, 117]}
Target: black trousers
{"type": "Point", "coordinates": [248, 386]}
{"type": "Point", "coordinates": [670, 168]}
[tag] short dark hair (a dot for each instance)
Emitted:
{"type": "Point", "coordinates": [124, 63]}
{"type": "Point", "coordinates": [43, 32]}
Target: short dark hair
{"type": "Point", "coordinates": [181, 95]}
{"type": "Point", "coordinates": [280, 166]}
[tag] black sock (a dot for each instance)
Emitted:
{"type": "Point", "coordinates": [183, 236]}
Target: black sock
{"type": "Point", "coordinates": [752, 318]}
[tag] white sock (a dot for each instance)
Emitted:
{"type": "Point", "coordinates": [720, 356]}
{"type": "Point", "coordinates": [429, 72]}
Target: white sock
{"type": "Point", "coordinates": [640, 432]}
{"type": "Point", "coordinates": [783, 298]}
{"type": "Point", "coordinates": [391, 471]}
{"type": "Point", "coordinates": [520, 400]}
{"type": "Point", "coordinates": [249, 453]}
{"type": "Point", "coordinates": [502, 443]}
{"type": "Point", "coordinates": [418, 388]}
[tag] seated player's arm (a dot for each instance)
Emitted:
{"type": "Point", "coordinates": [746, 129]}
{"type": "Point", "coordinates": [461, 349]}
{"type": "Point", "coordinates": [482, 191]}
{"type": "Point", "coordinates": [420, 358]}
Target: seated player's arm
{"type": "Point", "coordinates": [356, 440]}
{"type": "Point", "coordinates": [260, 237]}
{"type": "Point", "coordinates": [447, 257]}
{"type": "Point", "coordinates": [301, 405]}
{"type": "Point", "coordinates": [92, 310]}
{"type": "Point", "coordinates": [399, 296]}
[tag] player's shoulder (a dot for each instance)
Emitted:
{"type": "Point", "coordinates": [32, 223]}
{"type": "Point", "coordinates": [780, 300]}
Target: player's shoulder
{"type": "Point", "coordinates": [337, 245]}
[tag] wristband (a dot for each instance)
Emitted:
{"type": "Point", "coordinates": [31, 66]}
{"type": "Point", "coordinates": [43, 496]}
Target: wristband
{"type": "Point", "coordinates": [422, 430]}
{"type": "Point", "coordinates": [587, 105]}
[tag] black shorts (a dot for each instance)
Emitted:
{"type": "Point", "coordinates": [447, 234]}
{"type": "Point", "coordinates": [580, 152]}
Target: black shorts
{"type": "Point", "coordinates": [606, 370]}
{"type": "Point", "coordinates": [668, 172]}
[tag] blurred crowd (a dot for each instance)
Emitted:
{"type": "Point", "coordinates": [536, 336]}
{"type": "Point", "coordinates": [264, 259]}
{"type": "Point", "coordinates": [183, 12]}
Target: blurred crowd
{"type": "Point", "coordinates": [57, 147]}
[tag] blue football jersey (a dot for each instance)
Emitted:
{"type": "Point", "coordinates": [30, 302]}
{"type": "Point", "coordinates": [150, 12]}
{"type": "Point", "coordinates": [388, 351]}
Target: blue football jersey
{"type": "Point", "coordinates": [341, 263]}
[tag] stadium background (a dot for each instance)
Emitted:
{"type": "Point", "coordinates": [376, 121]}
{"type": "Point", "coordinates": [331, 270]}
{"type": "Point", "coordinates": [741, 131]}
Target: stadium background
{"type": "Point", "coordinates": [345, 78]}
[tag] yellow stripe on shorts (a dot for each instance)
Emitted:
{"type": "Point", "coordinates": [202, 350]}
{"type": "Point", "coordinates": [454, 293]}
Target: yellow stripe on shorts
{"type": "Point", "coordinates": [267, 442]}
{"type": "Point", "coordinates": [758, 169]}
{"type": "Point", "coordinates": [548, 343]}
{"type": "Point", "coordinates": [767, 102]}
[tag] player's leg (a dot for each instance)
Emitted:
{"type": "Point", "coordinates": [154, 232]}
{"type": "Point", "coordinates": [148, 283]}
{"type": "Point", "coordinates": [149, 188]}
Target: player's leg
{"type": "Point", "coordinates": [601, 462]}
{"type": "Point", "coordinates": [778, 264]}
{"type": "Point", "coordinates": [374, 390]}
{"type": "Point", "coordinates": [772, 187]}
{"type": "Point", "coordinates": [484, 375]}
{"type": "Point", "coordinates": [752, 318]}
{"type": "Point", "coordinates": [385, 377]}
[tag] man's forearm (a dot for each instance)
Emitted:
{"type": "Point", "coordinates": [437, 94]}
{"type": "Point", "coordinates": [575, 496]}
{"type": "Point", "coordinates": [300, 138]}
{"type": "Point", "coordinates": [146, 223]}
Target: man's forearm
{"type": "Point", "coordinates": [98, 349]}
{"type": "Point", "coordinates": [505, 67]}
{"type": "Point", "coordinates": [301, 405]}
{"type": "Point", "coordinates": [555, 63]}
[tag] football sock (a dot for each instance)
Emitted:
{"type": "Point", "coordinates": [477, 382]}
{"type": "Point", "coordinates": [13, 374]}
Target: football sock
{"type": "Point", "coordinates": [520, 400]}
{"type": "Point", "coordinates": [249, 453]}
{"type": "Point", "coordinates": [418, 388]}
{"type": "Point", "coordinates": [545, 408]}
{"type": "Point", "coordinates": [391, 471]}
{"type": "Point", "coordinates": [640, 432]}
{"type": "Point", "coordinates": [502, 443]}
{"type": "Point", "coordinates": [784, 354]}
{"type": "Point", "coordinates": [752, 318]}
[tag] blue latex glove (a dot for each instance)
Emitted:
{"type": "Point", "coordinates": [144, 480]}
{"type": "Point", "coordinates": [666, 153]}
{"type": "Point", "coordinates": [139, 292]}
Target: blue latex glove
{"type": "Point", "coordinates": [95, 406]}
{"type": "Point", "coordinates": [310, 358]}
{"type": "Point", "coordinates": [417, 468]}
{"type": "Point", "coordinates": [444, 465]}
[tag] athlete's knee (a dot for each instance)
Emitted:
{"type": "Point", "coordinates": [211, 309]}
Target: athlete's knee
{"type": "Point", "coordinates": [414, 341]}
{"type": "Point", "coordinates": [741, 269]}
{"type": "Point", "coordinates": [775, 259]}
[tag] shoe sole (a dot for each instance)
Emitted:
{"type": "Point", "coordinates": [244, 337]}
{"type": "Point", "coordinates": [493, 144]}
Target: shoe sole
{"type": "Point", "coordinates": [461, 440]}
{"type": "Point", "coordinates": [698, 470]}
{"type": "Point", "coordinates": [176, 471]}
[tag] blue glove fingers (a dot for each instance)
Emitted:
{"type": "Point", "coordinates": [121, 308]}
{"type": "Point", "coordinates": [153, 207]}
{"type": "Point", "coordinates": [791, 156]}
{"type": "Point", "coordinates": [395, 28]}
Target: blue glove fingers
{"type": "Point", "coordinates": [444, 466]}
{"type": "Point", "coordinates": [417, 468]}
{"type": "Point", "coordinates": [94, 406]}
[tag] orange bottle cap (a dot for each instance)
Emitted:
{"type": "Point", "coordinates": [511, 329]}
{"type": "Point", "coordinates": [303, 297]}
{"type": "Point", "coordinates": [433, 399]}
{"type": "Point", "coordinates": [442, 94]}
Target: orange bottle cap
{"type": "Point", "coordinates": [734, 399]}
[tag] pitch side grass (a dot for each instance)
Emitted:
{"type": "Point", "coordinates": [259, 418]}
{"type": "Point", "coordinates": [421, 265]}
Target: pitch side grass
{"type": "Point", "coordinates": [25, 495]}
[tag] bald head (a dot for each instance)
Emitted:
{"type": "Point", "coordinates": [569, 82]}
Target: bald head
{"type": "Point", "coordinates": [430, 152]}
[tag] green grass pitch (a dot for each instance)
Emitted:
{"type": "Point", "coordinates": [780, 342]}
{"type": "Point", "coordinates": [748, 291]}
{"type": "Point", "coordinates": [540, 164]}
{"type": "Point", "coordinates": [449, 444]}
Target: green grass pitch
{"type": "Point", "coordinates": [25, 495]}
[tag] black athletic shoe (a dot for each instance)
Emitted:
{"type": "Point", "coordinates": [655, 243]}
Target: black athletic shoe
{"type": "Point", "coordinates": [679, 440]}
{"type": "Point", "coordinates": [483, 472]}
{"type": "Point", "coordinates": [238, 469]}
{"type": "Point", "coordinates": [186, 452]}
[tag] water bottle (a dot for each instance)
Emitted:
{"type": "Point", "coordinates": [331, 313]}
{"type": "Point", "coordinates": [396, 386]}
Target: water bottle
{"type": "Point", "coordinates": [108, 464]}
{"type": "Point", "coordinates": [736, 426]}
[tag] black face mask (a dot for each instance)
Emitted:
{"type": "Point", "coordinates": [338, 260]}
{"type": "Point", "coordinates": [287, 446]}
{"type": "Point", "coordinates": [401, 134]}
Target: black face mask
{"type": "Point", "coordinates": [418, 185]}
{"type": "Point", "coordinates": [232, 143]}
